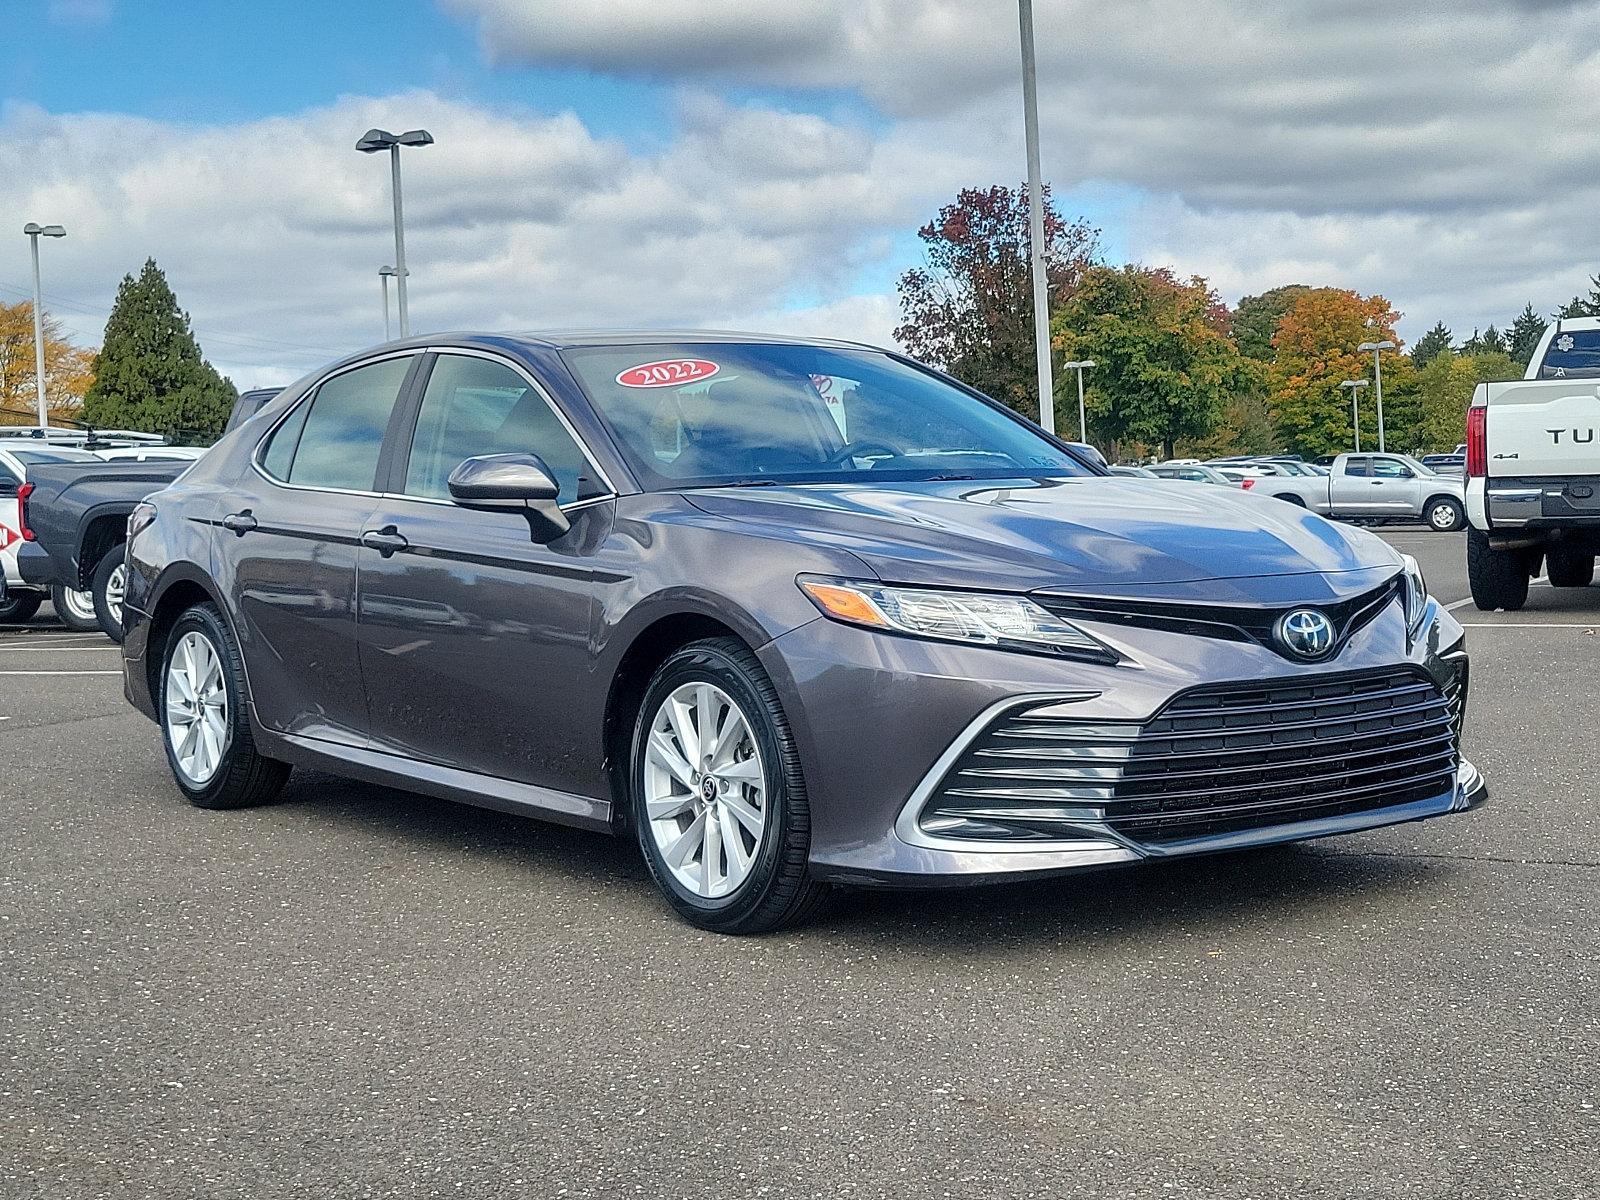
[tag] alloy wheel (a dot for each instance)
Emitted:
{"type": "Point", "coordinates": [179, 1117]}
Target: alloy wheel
{"type": "Point", "coordinates": [705, 790]}
{"type": "Point", "coordinates": [116, 591]}
{"type": "Point", "coordinates": [80, 605]}
{"type": "Point", "coordinates": [196, 708]}
{"type": "Point", "coordinates": [1442, 516]}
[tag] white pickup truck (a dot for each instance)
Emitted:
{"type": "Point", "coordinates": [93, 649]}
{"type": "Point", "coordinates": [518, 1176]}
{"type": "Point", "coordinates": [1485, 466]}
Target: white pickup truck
{"type": "Point", "coordinates": [1375, 487]}
{"type": "Point", "coordinates": [1533, 470]}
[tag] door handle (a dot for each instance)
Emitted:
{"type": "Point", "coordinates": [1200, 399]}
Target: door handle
{"type": "Point", "coordinates": [240, 523]}
{"type": "Point", "coordinates": [385, 541]}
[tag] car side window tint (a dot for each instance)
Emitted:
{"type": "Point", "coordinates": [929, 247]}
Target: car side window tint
{"type": "Point", "coordinates": [1388, 468]}
{"type": "Point", "coordinates": [1355, 466]}
{"type": "Point", "coordinates": [476, 406]}
{"type": "Point", "coordinates": [279, 454]}
{"type": "Point", "coordinates": [344, 427]}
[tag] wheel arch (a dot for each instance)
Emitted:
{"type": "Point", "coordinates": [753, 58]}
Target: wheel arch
{"type": "Point", "coordinates": [104, 529]}
{"type": "Point", "coordinates": [179, 589]}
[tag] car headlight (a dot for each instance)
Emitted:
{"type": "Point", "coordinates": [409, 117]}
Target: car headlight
{"type": "Point", "coordinates": [1416, 595]}
{"type": "Point", "coordinates": [973, 618]}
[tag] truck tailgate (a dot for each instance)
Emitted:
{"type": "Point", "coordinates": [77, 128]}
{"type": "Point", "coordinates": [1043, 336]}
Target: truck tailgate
{"type": "Point", "coordinates": [1542, 427]}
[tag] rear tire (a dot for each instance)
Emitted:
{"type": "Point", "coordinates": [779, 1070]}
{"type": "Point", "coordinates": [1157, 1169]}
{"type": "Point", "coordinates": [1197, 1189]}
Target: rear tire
{"type": "Point", "coordinates": [711, 787]}
{"type": "Point", "coordinates": [109, 586]}
{"type": "Point", "coordinates": [1499, 578]}
{"type": "Point", "coordinates": [1569, 568]}
{"type": "Point", "coordinates": [203, 684]}
{"type": "Point", "coordinates": [1291, 498]}
{"type": "Point", "coordinates": [1444, 514]}
{"type": "Point", "coordinates": [18, 607]}
{"type": "Point", "coordinates": [74, 609]}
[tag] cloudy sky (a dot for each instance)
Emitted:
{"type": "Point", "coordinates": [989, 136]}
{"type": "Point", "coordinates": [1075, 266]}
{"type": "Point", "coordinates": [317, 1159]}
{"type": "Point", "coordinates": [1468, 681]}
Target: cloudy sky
{"type": "Point", "coordinates": [764, 164]}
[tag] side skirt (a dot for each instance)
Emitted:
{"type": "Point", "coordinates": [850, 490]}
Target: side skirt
{"type": "Point", "coordinates": [447, 783]}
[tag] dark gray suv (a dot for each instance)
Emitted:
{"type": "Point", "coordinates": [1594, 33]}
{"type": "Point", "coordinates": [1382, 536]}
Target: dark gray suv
{"type": "Point", "coordinates": [792, 613]}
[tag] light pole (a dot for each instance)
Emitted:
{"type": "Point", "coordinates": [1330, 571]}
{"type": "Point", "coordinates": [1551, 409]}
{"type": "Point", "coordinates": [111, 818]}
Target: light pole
{"type": "Point", "coordinates": [1041, 289]}
{"type": "Point", "coordinates": [35, 232]}
{"type": "Point", "coordinates": [1354, 386]}
{"type": "Point", "coordinates": [384, 275]}
{"type": "Point", "coordinates": [1377, 349]}
{"type": "Point", "coordinates": [1081, 366]}
{"type": "Point", "coordinates": [381, 139]}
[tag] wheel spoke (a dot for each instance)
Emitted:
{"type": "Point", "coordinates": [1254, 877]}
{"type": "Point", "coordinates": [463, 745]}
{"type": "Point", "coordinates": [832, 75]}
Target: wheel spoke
{"type": "Point", "coordinates": [683, 727]}
{"type": "Point", "coordinates": [711, 855]}
{"type": "Point", "coordinates": [733, 842]}
{"type": "Point", "coordinates": [669, 806]}
{"type": "Point", "coordinates": [663, 752]}
{"type": "Point", "coordinates": [745, 770]}
{"type": "Point", "coordinates": [677, 852]}
{"type": "Point", "coordinates": [752, 820]}
{"type": "Point", "coordinates": [727, 738]}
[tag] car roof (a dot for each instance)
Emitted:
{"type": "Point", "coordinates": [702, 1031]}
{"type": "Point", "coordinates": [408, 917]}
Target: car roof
{"type": "Point", "coordinates": [576, 338]}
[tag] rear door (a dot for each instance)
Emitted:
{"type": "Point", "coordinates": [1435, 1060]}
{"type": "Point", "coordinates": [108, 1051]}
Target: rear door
{"type": "Point", "coordinates": [475, 640]}
{"type": "Point", "coordinates": [286, 551]}
{"type": "Point", "coordinates": [1350, 485]}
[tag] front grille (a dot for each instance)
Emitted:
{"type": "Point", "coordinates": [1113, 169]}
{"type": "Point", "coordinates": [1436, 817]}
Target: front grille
{"type": "Point", "coordinates": [1235, 623]}
{"type": "Point", "coordinates": [1214, 760]}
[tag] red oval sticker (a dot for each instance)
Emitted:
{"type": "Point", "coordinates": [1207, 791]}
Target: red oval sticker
{"type": "Point", "coordinates": [668, 372]}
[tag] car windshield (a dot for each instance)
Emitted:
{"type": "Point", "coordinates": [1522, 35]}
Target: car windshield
{"type": "Point", "coordinates": [1572, 354]}
{"type": "Point", "coordinates": [710, 414]}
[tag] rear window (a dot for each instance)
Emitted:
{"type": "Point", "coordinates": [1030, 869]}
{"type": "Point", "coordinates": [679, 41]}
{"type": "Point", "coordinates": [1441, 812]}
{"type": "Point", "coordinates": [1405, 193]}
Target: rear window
{"type": "Point", "coordinates": [1573, 354]}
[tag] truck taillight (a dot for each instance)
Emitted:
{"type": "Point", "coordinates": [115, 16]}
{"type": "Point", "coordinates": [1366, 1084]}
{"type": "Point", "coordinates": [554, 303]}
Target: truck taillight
{"type": "Point", "coordinates": [23, 493]}
{"type": "Point", "coordinates": [1248, 484]}
{"type": "Point", "coordinates": [1477, 443]}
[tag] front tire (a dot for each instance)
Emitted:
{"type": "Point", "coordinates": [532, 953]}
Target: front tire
{"type": "Point", "coordinates": [1499, 578]}
{"type": "Point", "coordinates": [718, 797]}
{"type": "Point", "coordinates": [1569, 568]}
{"type": "Point", "coordinates": [1445, 514]}
{"type": "Point", "coordinates": [74, 609]}
{"type": "Point", "coordinates": [204, 724]}
{"type": "Point", "coordinates": [18, 607]}
{"type": "Point", "coordinates": [109, 587]}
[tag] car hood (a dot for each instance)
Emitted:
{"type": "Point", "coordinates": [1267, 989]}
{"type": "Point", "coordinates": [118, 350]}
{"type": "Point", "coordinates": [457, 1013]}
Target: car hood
{"type": "Point", "coordinates": [1094, 535]}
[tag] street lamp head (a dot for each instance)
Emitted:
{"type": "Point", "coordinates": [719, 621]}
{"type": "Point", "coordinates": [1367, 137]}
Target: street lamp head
{"type": "Point", "coordinates": [1365, 346]}
{"type": "Point", "coordinates": [1355, 383]}
{"type": "Point", "coordinates": [33, 229]}
{"type": "Point", "coordinates": [415, 137]}
{"type": "Point", "coordinates": [1083, 364]}
{"type": "Point", "coordinates": [374, 140]}
{"type": "Point", "coordinates": [386, 271]}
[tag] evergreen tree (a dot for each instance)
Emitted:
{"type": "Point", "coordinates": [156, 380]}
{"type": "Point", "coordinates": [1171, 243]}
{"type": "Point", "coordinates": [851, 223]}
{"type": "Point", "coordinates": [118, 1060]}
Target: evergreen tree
{"type": "Point", "coordinates": [1583, 306]}
{"type": "Point", "coordinates": [150, 374]}
{"type": "Point", "coordinates": [1490, 341]}
{"type": "Point", "coordinates": [1430, 345]}
{"type": "Point", "coordinates": [1525, 333]}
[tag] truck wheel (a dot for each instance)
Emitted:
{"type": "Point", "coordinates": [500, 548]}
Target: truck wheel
{"type": "Point", "coordinates": [1570, 568]}
{"type": "Point", "coordinates": [74, 609]}
{"type": "Point", "coordinates": [109, 586]}
{"type": "Point", "coordinates": [18, 607]}
{"type": "Point", "coordinates": [1291, 498]}
{"type": "Point", "coordinates": [1499, 578]}
{"type": "Point", "coordinates": [1445, 514]}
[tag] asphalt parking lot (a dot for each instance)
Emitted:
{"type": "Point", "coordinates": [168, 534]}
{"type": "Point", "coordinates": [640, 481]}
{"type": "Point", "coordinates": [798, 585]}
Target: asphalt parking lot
{"type": "Point", "coordinates": [358, 992]}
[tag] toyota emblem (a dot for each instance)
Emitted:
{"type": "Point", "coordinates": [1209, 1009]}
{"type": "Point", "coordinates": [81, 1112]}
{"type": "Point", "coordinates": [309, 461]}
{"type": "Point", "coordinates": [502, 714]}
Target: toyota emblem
{"type": "Point", "coordinates": [1306, 633]}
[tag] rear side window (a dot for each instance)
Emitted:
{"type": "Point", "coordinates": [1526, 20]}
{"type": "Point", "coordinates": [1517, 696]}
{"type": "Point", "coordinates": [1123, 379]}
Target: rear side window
{"type": "Point", "coordinates": [1355, 466]}
{"type": "Point", "coordinates": [1573, 354]}
{"type": "Point", "coordinates": [342, 430]}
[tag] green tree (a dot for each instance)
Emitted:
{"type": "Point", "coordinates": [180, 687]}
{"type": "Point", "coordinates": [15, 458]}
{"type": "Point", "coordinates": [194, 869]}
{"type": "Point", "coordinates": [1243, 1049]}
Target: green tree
{"type": "Point", "coordinates": [1315, 352]}
{"type": "Point", "coordinates": [150, 374]}
{"type": "Point", "coordinates": [1490, 341]}
{"type": "Point", "coordinates": [1165, 367]}
{"type": "Point", "coordinates": [1524, 335]}
{"type": "Point", "coordinates": [970, 309]}
{"type": "Point", "coordinates": [1444, 388]}
{"type": "Point", "coordinates": [1436, 341]}
{"type": "Point", "coordinates": [1255, 321]}
{"type": "Point", "coordinates": [1583, 306]}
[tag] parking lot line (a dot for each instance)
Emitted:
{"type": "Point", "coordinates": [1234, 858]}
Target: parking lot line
{"type": "Point", "coordinates": [1526, 625]}
{"type": "Point", "coordinates": [60, 672]}
{"type": "Point", "coordinates": [1455, 604]}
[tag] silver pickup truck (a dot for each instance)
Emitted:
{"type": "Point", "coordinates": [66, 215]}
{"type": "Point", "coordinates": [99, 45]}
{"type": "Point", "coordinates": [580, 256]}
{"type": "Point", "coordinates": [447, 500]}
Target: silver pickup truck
{"type": "Point", "coordinates": [1376, 487]}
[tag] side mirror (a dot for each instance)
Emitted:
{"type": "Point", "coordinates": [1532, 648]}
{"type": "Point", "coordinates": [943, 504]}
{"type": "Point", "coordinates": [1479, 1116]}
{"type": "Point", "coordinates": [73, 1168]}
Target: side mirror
{"type": "Point", "coordinates": [512, 483]}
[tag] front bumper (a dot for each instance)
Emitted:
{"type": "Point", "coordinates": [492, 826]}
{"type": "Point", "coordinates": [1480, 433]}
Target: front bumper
{"type": "Point", "coordinates": [881, 720]}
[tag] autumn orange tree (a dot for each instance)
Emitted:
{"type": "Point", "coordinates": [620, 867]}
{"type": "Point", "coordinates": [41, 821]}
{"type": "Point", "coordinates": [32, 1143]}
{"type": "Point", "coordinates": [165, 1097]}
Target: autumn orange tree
{"type": "Point", "coordinates": [68, 369]}
{"type": "Point", "coordinates": [1314, 351]}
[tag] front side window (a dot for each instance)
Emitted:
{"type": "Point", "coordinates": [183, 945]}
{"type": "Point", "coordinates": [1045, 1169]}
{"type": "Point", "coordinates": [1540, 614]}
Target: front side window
{"type": "Point", "coordinates": [476, 406]}
{"type": "Point", "coordinates": [1388, 468]}
{"type": "Point", "coordinates": [333, 440]}
{"type": "Point", "coordinates": [705, 414]}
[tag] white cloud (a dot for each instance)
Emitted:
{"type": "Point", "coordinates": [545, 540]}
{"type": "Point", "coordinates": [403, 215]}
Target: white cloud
{"type": "Point", "coordinates": [271, 232]}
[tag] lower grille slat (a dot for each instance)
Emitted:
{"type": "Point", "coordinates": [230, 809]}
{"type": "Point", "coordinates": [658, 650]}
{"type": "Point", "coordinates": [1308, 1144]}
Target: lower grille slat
{"type": "Point", "coordinates": [1213, 760]}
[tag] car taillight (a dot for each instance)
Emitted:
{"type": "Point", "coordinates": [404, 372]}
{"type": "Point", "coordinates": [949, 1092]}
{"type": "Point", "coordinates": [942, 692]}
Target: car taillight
{"type": "Point", "coordinates": [1247, 484]}
{"type": "Point", "coordinates": [1477, 443]}
{"type": "Point", "coordinates": [23, 493]}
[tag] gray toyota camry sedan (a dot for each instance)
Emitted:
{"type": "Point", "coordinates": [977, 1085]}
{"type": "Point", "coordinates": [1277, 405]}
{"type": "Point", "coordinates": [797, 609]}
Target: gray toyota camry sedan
{"type": "Point", "coordinates": [791, 613]}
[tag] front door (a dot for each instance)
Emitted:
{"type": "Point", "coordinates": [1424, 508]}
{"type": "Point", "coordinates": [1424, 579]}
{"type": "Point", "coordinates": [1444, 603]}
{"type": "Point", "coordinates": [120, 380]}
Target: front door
{"type": "Point", "coordinates": [1394, 487]}
{"type": "Point", "coordinates": [286, 553]}
{"type": "Point", "coordinates": [475, 640]}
